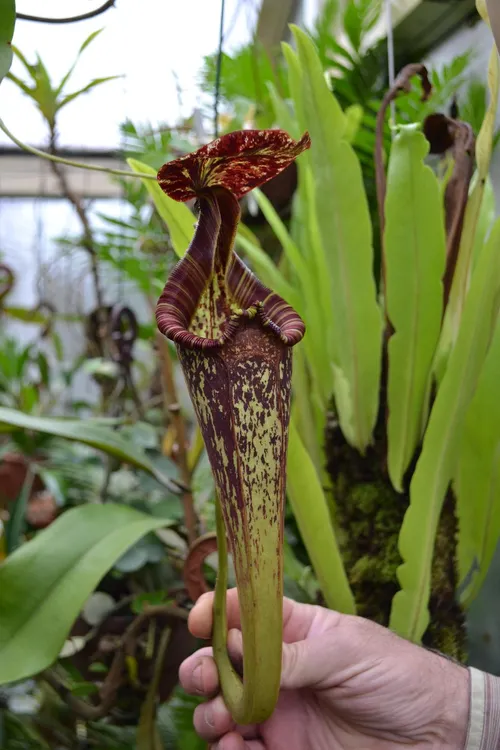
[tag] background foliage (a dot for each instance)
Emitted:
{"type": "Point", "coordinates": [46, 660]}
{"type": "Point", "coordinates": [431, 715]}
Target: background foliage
{"type": "Point", "coordinates": [100, 498]}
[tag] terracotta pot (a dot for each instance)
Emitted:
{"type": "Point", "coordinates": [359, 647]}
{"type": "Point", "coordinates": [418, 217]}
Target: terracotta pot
{"type": "Point", "coordinates": [13, 470]}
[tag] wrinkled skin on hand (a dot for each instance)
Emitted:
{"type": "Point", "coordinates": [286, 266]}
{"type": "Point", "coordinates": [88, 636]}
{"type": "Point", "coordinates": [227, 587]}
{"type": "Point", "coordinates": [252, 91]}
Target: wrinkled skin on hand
{"type": "Point", "coordinates": [347, 684]}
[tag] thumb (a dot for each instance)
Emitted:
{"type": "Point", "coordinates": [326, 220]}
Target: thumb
{"type": "Point", "coordinates": [325, 653]}
{"type": "Point", "coordinates": [301, 666]}
{"type": "Point", "coordinates": [317, 643]}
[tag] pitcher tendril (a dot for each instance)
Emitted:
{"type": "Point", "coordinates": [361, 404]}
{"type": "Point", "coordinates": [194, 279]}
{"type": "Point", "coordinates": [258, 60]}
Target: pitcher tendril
{"type": "Point", "coordinates": [234, 339]}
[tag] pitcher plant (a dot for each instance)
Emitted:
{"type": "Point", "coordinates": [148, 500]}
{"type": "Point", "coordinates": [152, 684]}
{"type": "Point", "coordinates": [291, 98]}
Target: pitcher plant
{"type": "Point", "coordinates": [234, 338]}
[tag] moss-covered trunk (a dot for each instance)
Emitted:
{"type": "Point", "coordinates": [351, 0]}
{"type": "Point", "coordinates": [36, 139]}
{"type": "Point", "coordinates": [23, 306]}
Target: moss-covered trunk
{"type": "Point", "coordinates": [369, 514]}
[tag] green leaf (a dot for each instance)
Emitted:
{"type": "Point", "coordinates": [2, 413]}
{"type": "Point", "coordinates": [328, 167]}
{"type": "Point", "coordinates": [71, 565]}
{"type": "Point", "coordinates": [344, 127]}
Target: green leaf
{"type": "Point", "coordinates": [7, 23]}
{"type": "Point", "coordinates": [89, 432]}
{"type": "Point", "coordinates": [484, 148]}
{"type": "Point", "coordinates": [28, 398]}
{"type": "Point", "coordinates": [290, 249]}
{"type": "Point", "coordinates": [98, 667]}
{"type": "Point", "coordinates": [267, 271]}
{"type": "Point", "coordinates": [316, 294]}
{"type": "Point", "coordinates": [45, 94]}
{"type": "Point", "coordinates": [415, 251]}
{"type": "Point", "coordinates": [33, 316]}
{"type": "Point", "coordinates": [477, 479]}
{"type": "Point", "coordinates": [306, 302]}
{"type": "Point", "coordinates": [89, 40]}
{"type": "Point", "coordinates": [354, 118]}
{"type": "Point", "coordinates": [84, 689]}
{"type": "Point", "coordinates": [346, 233]}
{"type": "Point", "coordinates": [142, 601]}
{"type": "Point", "coordinates": [313, 519]}
{"type": "Point", "coordinates": [485, 220]}
{"type": "Point", "coordinates": [21, 85]}
{"type": "Point", "coordinates": [31, 69]}
{"type": "Point", "coordinates": [284, 116]}
{"type": "Point", "coordinates": [321, 340]}
{"type": "Point", "coordinates": [352, 22]}
{"type": "Point", "coordinates": [45, 583]}
{"type": "Point", "coordinates": [175, 719]}
{"type": "Point", "coordinates": [96, 82]}
{"type": "Point", "coordinates": [309, 413]}
{"type": "Point", "coordinates": [295, 77]}
{"type": "Point", "coordinates": [177, 216]}
{"type": "Point", "coordinates": [43, 367]}
{"type": "Point", "coordinates": [438, 461]}
{"type": "Point", "coordinates": [85, 44]}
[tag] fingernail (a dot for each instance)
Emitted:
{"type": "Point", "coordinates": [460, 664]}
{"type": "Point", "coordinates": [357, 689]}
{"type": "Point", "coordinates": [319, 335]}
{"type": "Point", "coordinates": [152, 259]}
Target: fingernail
{"type": "Point", "coordinates": [198, 678]}
{"type": "Point", "coordinates": [209, 717]}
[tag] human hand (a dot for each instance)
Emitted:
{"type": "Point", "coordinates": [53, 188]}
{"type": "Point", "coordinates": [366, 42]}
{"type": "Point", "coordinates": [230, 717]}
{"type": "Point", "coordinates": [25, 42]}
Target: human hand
{"type": "Point", "coordinates": [346, 684]}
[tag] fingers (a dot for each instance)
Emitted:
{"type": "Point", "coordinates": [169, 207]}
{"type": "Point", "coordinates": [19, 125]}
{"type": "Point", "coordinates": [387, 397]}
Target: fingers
{"type": "Point", "coordinates": [198, 673]}
{"type": "Point", "coordinates": [234, 741]}
{"type": "Point", "coordinates": [201, 616]}
{"type": "Point", "coordinates": [301, 621]}
{"type": "Point", "coordinates": [297, 618]}
{"type": "Point", "coordinates": [213, 721]}
{"type": "Point", "coordinates": [303, 665]}
{"type": "Point", "coordinates": [321, 647]}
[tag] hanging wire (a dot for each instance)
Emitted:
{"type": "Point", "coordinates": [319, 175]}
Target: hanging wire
{"type": "Point", "coordinates": [218, 70]}
{"type": "Point", "coordinates": [122, 201]}
{"type": "Point", "coordinates": [390, 54]}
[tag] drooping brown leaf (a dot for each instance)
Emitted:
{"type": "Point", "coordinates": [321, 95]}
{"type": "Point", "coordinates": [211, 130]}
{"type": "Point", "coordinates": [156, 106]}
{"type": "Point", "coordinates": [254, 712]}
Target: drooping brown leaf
{"type": "Point", "coordinates": [446, 134]}
{"type": "Point", "coordinates": [194, 580]}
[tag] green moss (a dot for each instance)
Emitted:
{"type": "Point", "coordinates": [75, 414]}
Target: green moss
{"type": "Point", "coordinates": [446, 632]}
{"type": "Point", "coordinates": [369, 514]}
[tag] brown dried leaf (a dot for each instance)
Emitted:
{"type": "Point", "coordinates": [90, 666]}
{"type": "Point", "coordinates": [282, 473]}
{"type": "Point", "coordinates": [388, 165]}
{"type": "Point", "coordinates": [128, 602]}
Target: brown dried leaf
{"type": "Point", "coordinates": [446, 134]}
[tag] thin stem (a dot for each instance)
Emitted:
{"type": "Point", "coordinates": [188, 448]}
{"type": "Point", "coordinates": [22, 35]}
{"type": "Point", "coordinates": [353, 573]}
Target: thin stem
{"type": "Point", "coordinates": [115, 677]}
{"type": "Point", "coordinates": [70, 19]}
{"type": "Point", "coordinates": [218, 71]}
{"type": "Point", "coordinates": [79, 707]}
{"type": "Point", "coordinates": [134, 393]}
{"type": "Point", "coordinates": [110, 467]}
{"type": "Point", "coordinates": [390, 57]}
{"type": "Point", "coordinates": [167, 611]}
{"type": "Point", "coordinates": [74, 199]}
{"type": "Point", "coordinates": [69, 162]}
{"type": "Point", "coordinates": [177, 419]}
